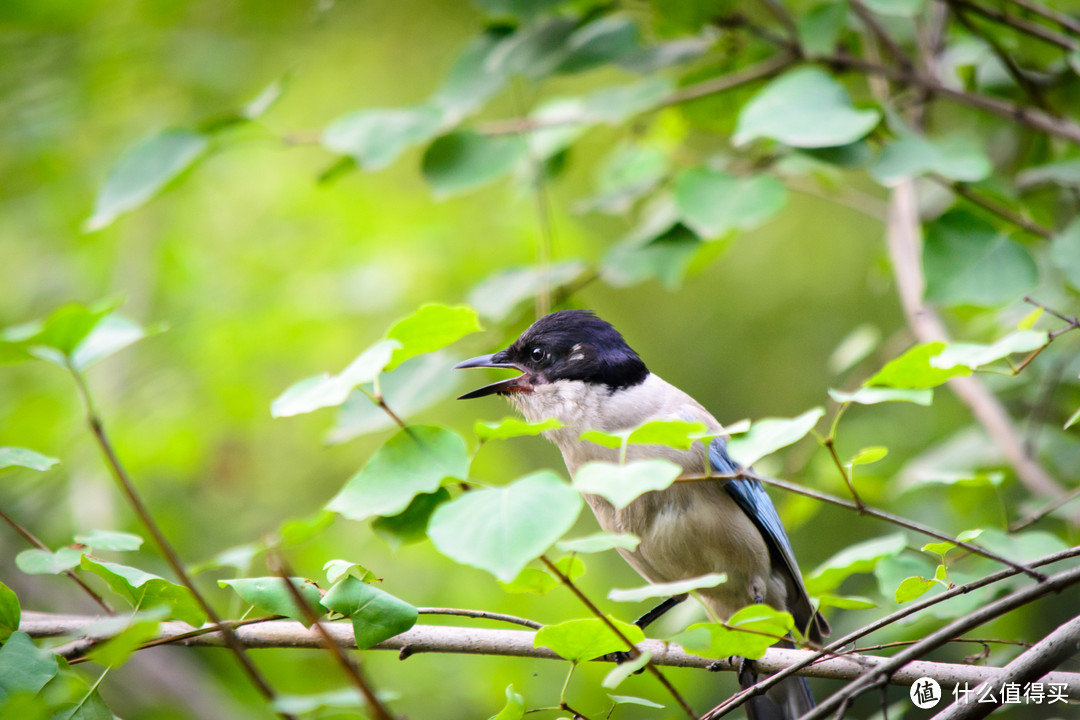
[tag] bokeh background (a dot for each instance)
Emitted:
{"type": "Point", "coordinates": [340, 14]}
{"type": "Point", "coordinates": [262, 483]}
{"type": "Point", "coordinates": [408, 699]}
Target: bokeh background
{"type": "Point", "coordinates": [264, 274]}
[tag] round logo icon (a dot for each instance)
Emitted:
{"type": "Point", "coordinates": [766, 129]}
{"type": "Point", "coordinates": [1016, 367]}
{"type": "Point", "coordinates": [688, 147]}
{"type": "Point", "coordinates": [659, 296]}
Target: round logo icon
{"type": "Point", "coordinates": [925, 693]}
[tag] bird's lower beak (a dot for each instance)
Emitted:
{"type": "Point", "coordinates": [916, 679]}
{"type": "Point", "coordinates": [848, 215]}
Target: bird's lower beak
{"type": "Point", "coordinates": [510, 385]}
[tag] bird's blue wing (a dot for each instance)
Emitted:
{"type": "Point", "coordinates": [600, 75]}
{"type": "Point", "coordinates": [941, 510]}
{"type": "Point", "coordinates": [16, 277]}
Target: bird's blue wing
{"type": "Point", "coordinates": [755, 502]}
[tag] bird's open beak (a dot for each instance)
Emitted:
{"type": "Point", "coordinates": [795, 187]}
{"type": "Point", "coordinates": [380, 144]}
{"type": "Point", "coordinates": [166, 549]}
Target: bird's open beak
{"type": "Point", "coordinates": [510, 385]}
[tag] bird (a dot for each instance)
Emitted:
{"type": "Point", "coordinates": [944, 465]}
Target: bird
{"type": "Point", "coordinates": [578, 369]}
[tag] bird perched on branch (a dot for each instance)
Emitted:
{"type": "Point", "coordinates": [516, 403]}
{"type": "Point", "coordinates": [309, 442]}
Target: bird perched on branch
{"type": "Point", "coordinates": [577, 369]}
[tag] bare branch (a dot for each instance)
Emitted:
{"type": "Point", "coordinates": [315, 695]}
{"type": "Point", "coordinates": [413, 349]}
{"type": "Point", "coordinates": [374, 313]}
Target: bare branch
{"type": "Point", "coordinates": [1020, 25]}
{"type": "Point", "coordinates": [1061, 19]}
{"type": "Point", "coordinates": [519, 643]}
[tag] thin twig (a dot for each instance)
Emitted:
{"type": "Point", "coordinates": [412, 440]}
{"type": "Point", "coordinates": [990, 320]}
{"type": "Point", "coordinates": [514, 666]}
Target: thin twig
{"type": "Point", "coordinates": [991, 611]}
{"type": "Point", "coordinates": [350, 668]}
{"type": "Point", "coordinates": [778, 11]}
{"type": "Point", "coordinates": [171, 557]}
{"type": "Point", "coordinates": [993, 207]}
{"type": "Point", "coordinates": [1020, 25]}
{"type": "Point", "coordinates": [1044, 511]}
{"type": "Point", "coordinates": [482, 615]}
{"type": "Point", "coordinates": [33, 540]}
{"type": "Point", "coordinates": [634, 652]}
{"type": "Point", "coordinates": [867, 18]}
{"type": "Point", "coordinates": [867, 510]}
{"type": "Point", "coordinates": [1061, 19]}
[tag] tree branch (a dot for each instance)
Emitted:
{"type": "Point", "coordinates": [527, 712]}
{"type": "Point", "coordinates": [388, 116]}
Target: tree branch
{"type": "Point", "coordinates": [1031, 665]}
{"type": "Point", "coordinates": [1019, 24]}
{"type": "Point", "coordinates": [519, 643]}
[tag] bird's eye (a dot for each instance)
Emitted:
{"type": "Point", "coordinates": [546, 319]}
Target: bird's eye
{"type": "Point", "coordinates": [537, 354]}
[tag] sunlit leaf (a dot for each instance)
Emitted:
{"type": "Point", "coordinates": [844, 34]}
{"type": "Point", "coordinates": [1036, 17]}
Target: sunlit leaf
{"type": "Point", "coordinates": [327, 390]}
{"type": "Point", "coordinates": [940, 548]}
{"type": "Point", "coordinates": [472, 79]}
{"type": "Point", "coordinates": [1072, 419]}
{"type": "Point", "coordinates": [337, 568]}
{"type": "Point", "coordinates": [749, 633]}
{"type": "Point", "coordinates": [375, 138]}
{"type": "Point", "coordinates": [854, 348]}
{"type": "Point", "coordinates": [22, 457]}
{"type": "Point", "coordinates": [536, 49]}
{"type": "Point", "coordinates": [623, 670]}
{"type": "Point", "coordinates": [622, 484]}
{"type": "Point", "coordinates": [144, 590]}
{"type": "Point", "coordinates": [110, 335]}
{"type": "Point", "coordinates": [501, 529]}
{"type": "Point", "coordinates": [262, 102]}
{"type": "Point", "coordinates": [376, 615]}
{"type": "Point", "coordinates": [912, 588]}
{"type": "Point", "coordinates": [530, 580]}
{"type": "Point", "coordinates": [913, 370]}
{"type": "Point", "coordinates": [414, 461]}
{"type": "Point", "coordinates": [587, 639]}
{"type": "Point", "coordinates": [599, 542]}
{"type": "Point", "coordinates": [820, 28]}
{"type": "Point", "coordinates": [868, 455]}
{"type": "Point", "coordinates": [875, 395]}
{"type": "Point", "coordinates": [859, 558]}
{"type": "Point", "coordinates": [511, 427]}
{"type": "Point", "coordinates": [43, 562]}
{"type": "Point", "coordinates": [972, 355]}
{"type": "Point", "coordinates": [769, 435]}
{"type": "Point", "coordinates": [343, 698]}
{"type": "Point", "coordinates": [667, 589]}
{"type": "Point", "coordinates": [514, 709]}
{"type": "Point", "coordinates": [464, 160]}
{"type": "Point", "coordinates": [498, 295]}
{"type": "Point", "coordinates": [271, 595]}
{"type": "Point", "coordinates": [958, 157]}
{"type": "Point", "coordinates": [968, 262]}
{"type": "Point", "coordinates": [430, 328]}
{"type": "Point", "coordinates": [845, 602]}
{"type": "Point", "coordinates": [804, 108]}
{"type": "Point", "coordinates": [714, 203]}
{"type": "Point", "coordinates": [143, 171]}
{"type": "Point", "coordinates": [136, 630]}
{"type": "Point", "coordinates": [110, 540]}
{"type": "Point", "coordinates": [614, 104]}
{"type": "Point", "coordinates": [10, 612]}
{"type": "Point", "coordinates": [630, 699]}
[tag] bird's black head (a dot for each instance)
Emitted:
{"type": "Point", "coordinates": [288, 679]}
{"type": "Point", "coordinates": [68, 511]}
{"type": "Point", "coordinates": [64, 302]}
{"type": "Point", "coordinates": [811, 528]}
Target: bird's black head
{"type": "Point", "coordinates": [564, 345]}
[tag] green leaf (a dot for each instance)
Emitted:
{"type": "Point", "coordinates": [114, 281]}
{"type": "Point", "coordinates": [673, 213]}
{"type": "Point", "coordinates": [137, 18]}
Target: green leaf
{"type": "Point", "coordinates": [110, 540]}
{"type": "Point", "coordinates": [500, 294]}
{"type": "Point", "coordinates": [587, 639]}
{"type": "Point", "coordinates": [411, 387]}
{"type": "Point", "coordinates": [742, 636]}
{"type": "Point", "coordinates": [376, 615]}
{"type": "Point", "coordinates": [622, 484]}
{"type": "Point", "coordinates": [941, 548]}
{"type": "Point", "coordinates": [599, 542]}
{"type": "Point", "coordinates": [501, 529]}
{"type": "Point", "coordinates": [414, 461]}
{"type": "Point", "coordinates": [859, 558]}
{"type": "Point", "coordinates": [666, 258]}
{"type": "Point", "coordinates": [667, 589]}
{"type": "Point", "coordinates": [145, 591]}
{"type": "Point", "coordinates": [136, 630]}
{"type": "Point", "coordinates": [677, 434]}
{"type": "Point", "coordinates": [1065, 253]}
{"type": "Point", "coordinates": [845, 602]}
{"type": "Point", "coordinates": [968, 262]}
{"type": "Point", "coordinates": [410, 525]}
{"type": "Point", "coordinates": [24, 668]}
{"type": "Point", "coordinates": [912, 588]}
{"type": "Point", "coordinates": [266, 99]}
{"type": "Point", "coordinates": [23, 457]}
{"type": "Point", "coordinates": [43, 562]}
{"type": "Point", "coordinates": [375, 138]}
{"type": "Point", "coordinates": [604, 439]}
{"type": "Point", "coordinates": [601, 41]}
{"type": "Point", "coordinates": [913, 369]}
{"type": "Point", "coordinates": [957, 157]}
{"type": "Point", "coordinates": [344, 698]}
{"type": "Point", "coordinates": [337, 568]}
{"type": "Point", "coordinates": [1072, 420]}
{"type": "Point", "coordinates": [630, 699]}
{"type": "Point", "coordinates": [868, 455]}
{"type": "Point", "coordinates": [896, 8]}
{"type": "Point", "coordinates": [531, 580]}
{"type": "Point", "coordinates": [10, 612]}
{"type": "Point", "coordinates": [473, 78]}
{"type": "Point", "coordinates": [536, 49]}
{"type": "Point", "coordinates": [973, 356]}
{"type": "Point", "coordinates": [803, 108]}
{"type": "Point", "coordinates": [327, 390]}
{"type": "Point", "coordinates": [110, 335]}
{"type": "Point", "coordinates": [714, 203]}
{"type": "Point", "coordinates": [629, 172]}
{"type": "Point", "coordinates": [464, 160]}
{"type": "Point", "coordinates": [854, 348]}
{"type": "Point", "coordinates": [55, 338]}
{"type": "Point", "coordinates": [510, 427]}
{"type": "Point", "coordinates": [1065, 173]}
{"type": "Point", "coordinates": [431, 328]}
{"type": "Point", "coordinates": [769, 435]}
{"type": "Point", "coordinates": [615, 104]}
{"type": "Point", "coordinates": [820, 28]}
{"type": "Point", "coordinates": [143, 171]}
{"type": "Point", "coordinates": [271, 595]}
{"type": "Point", "coordinates": [514, 709]}
{"type": "Point", "coordinates": [523, 9]}
{"type": "Point", "coordinates": [623, 670]}
{"type": "Point", "coordinates": [875, 395]}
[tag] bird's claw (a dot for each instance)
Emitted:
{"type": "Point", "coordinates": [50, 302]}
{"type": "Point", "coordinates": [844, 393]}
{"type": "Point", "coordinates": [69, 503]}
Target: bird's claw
{"type": "Point", "coordinates": [620, 657]}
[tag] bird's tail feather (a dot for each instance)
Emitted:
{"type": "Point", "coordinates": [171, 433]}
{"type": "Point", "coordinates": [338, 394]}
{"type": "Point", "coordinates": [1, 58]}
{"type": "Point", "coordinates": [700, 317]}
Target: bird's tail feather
{"type": "Point", "coordinates": [787, 700]}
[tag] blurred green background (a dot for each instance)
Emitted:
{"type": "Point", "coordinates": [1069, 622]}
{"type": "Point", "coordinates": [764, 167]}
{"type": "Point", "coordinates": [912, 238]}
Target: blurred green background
{"type": "Point", "coordinates": [265, 275]}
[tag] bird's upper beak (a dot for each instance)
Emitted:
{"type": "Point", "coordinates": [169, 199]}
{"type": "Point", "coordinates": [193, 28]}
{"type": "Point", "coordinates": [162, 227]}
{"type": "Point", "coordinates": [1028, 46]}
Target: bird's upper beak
{"type": "Point", "coordinates": [496, 360]}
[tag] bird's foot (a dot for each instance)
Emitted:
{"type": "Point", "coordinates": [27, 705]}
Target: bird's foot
{"type": "Point", "coordinates": [619, 658]}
